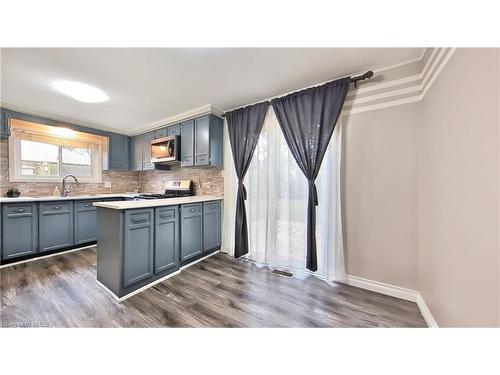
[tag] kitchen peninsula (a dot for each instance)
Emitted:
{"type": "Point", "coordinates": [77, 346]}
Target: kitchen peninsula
{"type": "Point", "coordinates": [143, 242]}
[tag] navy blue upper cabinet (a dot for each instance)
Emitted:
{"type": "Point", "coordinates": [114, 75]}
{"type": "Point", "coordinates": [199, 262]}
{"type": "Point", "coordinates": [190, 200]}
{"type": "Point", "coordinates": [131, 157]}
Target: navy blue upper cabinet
{"type": "Point", "coordinates": [174, 130]}
{"type": "Point", "coordinates": [146, 151]}
{"type": "Point", "coordinates": [55, 225]}
{"type": "Point", "coordinates": [160, 133]}
{"type": "Point", "coordinates": [187, 143]}
{"type": "Point", "coordinates": [201, 141]}
{"type": "Point", "coordinates": [136, 148]}
{"type": "Point", "coordinates": [4, 124]}
{"type": "Point", "coordinates": [20, 230]}
{"type": "Point", "coordinates": [119, 152]}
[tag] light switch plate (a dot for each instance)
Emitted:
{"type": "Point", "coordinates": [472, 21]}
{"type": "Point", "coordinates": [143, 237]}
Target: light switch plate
{"type": "Point", "coordinates": [107, 184]}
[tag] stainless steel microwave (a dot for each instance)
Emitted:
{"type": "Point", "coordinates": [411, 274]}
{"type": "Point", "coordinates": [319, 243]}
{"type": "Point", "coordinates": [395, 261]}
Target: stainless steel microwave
{"type": "Point", "coordinates": [165, 150]}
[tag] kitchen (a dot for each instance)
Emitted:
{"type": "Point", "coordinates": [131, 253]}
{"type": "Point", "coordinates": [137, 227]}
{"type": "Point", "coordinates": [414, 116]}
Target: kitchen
{"type": "Point", "coordinates": [237, 167]}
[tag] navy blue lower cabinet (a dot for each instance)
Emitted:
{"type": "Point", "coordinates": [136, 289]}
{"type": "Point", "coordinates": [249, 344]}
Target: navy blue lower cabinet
{"type": "Point", "coordinates": [85, 222]}
{"type": "Point", "coordinates": [211, 225]}
{"type": "Point", "coordinates": [166, 238]}
{"type": "Point", "coordinates": [138, 249]}
{"type": "Point", "coordinates": [19, 230]}
{"type": "Point", "coordinates": [191, 231]}
{"type": "Point", "coordinates": [55, 225]}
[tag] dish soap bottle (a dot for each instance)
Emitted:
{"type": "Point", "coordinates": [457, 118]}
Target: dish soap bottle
{"type": "Point", "coordinates": [56, 192]}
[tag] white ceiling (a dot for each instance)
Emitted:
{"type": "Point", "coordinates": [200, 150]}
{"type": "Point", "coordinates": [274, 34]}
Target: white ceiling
{"type": "Point", "coordinates": [148, 85]}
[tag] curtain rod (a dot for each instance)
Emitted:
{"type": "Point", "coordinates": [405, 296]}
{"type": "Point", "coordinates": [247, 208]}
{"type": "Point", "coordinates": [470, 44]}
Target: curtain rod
{"type": "Point", "coordinates": [355, 80]}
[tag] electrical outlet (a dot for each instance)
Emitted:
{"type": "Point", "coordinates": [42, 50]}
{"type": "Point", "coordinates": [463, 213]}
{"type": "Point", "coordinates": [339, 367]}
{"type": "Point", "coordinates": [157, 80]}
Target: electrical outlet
{"type": "Point", "coordinates": [107, 184]}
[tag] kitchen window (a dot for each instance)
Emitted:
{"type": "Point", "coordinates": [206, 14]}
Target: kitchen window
{"type": "Point", "coordinates": [41, 153]}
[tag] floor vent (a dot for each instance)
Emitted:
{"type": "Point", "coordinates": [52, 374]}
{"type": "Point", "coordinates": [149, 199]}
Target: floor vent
{"type": "Point", "coordinates": [282, 273]}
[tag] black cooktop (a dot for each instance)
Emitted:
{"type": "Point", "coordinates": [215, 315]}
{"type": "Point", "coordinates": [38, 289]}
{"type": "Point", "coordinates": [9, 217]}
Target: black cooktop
{"type": "Point", "coordinates": [160, 196]}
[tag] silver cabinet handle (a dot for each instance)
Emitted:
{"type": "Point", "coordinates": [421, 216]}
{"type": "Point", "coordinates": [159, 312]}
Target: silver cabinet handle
{"type": "Point", "coordinates": [56, 207]}
{"type": "Point", "coordinates": [212, 206]}
{"type": "Point", "coordinates": [192, 210]}
{"type": "Point", "coordinates": [20, 210]}
{"type": "Point", "coordinates": [166, 216]}
{"type": "Point", "coordinates": [88, 205]}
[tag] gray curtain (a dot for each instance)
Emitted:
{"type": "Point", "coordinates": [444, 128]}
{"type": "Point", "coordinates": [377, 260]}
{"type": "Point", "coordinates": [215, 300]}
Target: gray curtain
{"type": "Point", "coordinates": [244, 126]}
{"type": "Point", "coordinates": [307, 119]}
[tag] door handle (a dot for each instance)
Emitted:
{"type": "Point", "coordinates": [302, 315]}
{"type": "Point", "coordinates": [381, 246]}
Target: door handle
{"type": "Point", "coordinates": [57, 207]}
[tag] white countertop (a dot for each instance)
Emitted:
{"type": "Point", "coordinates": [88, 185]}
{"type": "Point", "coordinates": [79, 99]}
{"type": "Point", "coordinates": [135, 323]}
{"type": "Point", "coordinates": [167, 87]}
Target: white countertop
{"type": "Point", "coordinates": [148, 203]}
{"type": "Point", "coordinates": [71, 197]}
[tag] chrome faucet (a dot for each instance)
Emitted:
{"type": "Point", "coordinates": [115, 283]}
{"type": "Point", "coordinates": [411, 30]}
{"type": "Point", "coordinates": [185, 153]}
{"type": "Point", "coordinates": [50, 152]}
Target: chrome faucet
{"type": "Point", "coordinates": [67, 190]}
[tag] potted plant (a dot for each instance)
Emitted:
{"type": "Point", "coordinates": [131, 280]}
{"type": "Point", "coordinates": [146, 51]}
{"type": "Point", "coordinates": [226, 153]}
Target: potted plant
{"type": "Point", "coordinates": [13, 192]}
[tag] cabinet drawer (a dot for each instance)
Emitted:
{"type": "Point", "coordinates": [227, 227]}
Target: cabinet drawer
{"type": "Point", "coordinates": [186, 161]}
{"type": "Point", "coordinates": [202, 160]}
{"type": "Point", "coordinates": [55, 207]}
{"type": "Point", "coordinates": [166, 214]}
{"type": "Point", "coordinates": [211, 206]}
{"type": "Point", "coordinates": [139, 217]}
{"type": "Point", "coordinates": [191, 209]}
{"type": "Point", "coordinates": [85, 206]}
{"type": "Point", "coordinates": [19, 209]}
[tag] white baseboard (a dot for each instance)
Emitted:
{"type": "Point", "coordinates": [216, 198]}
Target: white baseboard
{"type": "Point", "coordinates": [395, 291]}
{"type": "Point", "coordinates": [426, 312]}
{"type": "Point", "coordinates": [123, 298]}
{"type": "Point", "coordinates": [379, 287]}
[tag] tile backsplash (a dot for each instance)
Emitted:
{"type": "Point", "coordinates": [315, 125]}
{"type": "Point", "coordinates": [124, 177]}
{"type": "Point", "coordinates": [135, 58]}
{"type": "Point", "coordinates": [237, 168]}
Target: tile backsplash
{"type": "Point", "coordinates": [205, 180]}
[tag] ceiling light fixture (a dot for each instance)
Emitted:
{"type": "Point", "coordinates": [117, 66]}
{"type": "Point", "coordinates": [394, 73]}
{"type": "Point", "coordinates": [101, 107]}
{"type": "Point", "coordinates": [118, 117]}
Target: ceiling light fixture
{"type": "Point", "coordinates": [81, 91]}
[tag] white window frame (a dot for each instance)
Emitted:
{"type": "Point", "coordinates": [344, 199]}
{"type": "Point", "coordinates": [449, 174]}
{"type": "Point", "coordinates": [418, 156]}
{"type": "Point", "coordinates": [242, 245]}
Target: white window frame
{"type": "Point", "coordinates": [26, 130]}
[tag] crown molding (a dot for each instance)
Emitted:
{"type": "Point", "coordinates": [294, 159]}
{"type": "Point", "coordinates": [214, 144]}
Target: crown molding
{"type": "Point", "coordinates": [200, 111]}
{"type": "Point", "coordinates": [400, 91]}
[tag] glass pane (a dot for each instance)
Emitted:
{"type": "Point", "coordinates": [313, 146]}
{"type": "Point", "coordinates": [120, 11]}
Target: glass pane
{"type": "Point", "coordinates": [39, 159]}
{"type": "Point", "coordinates": [77, 161]}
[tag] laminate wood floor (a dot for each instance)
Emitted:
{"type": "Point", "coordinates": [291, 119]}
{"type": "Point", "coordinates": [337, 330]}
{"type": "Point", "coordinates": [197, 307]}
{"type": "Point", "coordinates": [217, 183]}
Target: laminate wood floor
{"type": "Point", "coordinates": [218, 292]}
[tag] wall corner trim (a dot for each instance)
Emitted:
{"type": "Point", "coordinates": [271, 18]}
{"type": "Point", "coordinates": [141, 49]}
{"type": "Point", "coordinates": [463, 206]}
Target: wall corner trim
{"type": "Point", "coordinates": [426, 312]}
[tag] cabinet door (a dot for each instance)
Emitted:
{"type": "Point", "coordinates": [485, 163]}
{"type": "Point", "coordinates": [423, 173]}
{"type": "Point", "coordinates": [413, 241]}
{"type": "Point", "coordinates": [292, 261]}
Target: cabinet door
{"type": "Point", "coordinates": [136, 153]}
{"type": "Point", "coordinates": [191, 231]}
{"type": "Point", "coordinates": [187, 143]}
{"type": "Point", "coordinates": [202, 140]}
{"type": "Point", "coordinates": [4, 124]}
{"type": "Point", "coordinates": [139, 247]}
{"type": "Point", "coordinates": [211, 225]}
{"type": "Point", "coordinates": [119, 152]}
{"type": "Point", "coordinates": [166, 239]}
{"type": "Point", "coordinates": [174, 130]}
{"type": "Point", "coordinates": [146, 151]}
{"type": "Point", "coordinates": [85, 222]}
{"type": "Point", "coordinates": [56, 225]}
{"type": "Point", "coordinates": [160, 133]}
{"type": "Point", "coordinates": [20, 230]}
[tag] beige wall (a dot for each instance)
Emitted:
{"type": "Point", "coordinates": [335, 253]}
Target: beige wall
{"type": "Point", "coordinates": [379, 197]}
{"type": "Point", "coordinates": [421, 199]}
{"type": "Point", "coordinates": [458, 191]}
